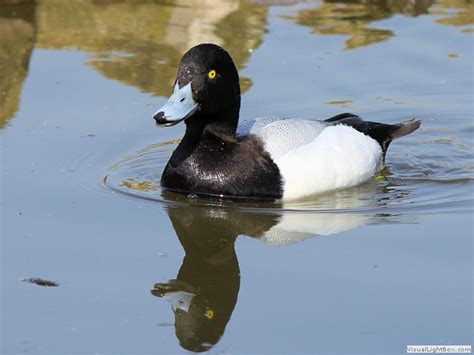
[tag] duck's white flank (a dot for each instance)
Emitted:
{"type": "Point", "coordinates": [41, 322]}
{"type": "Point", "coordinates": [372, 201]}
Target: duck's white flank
{"type": "Point", "coordinates": [315, 157]}
{"type": "Point", "coordinates": [339, 157]}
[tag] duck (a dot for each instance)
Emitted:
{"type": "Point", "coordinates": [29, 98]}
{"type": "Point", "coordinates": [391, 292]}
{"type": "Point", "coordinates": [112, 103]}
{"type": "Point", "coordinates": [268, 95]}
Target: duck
{"type": "Point", "coordinates": [266, 158]}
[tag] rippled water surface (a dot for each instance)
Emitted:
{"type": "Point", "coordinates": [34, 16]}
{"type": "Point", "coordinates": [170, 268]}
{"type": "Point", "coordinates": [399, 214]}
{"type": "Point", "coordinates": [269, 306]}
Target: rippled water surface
{"type": "Point", "coordinates": [136, 269]}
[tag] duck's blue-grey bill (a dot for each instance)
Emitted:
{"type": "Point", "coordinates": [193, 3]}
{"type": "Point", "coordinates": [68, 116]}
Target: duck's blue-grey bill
{"type": "Point", "coordinates": [180, 106]}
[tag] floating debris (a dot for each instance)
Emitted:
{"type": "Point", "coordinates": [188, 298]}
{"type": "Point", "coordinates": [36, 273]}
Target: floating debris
{"type": "Point", "coordinates": [40, 282]}
{"type": "Point", "coordinates": [139, 185]}
{"type": "Point", "coordinates": [343, 103]}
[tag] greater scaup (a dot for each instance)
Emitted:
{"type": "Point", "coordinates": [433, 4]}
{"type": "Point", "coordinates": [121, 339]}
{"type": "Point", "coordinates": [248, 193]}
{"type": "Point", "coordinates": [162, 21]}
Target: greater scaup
{"type": "Point", "coordinates": [266, 158]}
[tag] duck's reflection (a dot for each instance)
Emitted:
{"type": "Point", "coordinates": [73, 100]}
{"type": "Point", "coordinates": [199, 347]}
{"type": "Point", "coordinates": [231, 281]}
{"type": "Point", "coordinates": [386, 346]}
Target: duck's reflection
{"type": "Point", "coordinates": [204, 293]}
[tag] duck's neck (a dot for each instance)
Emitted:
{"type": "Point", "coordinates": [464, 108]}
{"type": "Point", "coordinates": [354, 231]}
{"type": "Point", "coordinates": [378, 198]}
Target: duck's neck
{"type": "Point", "coordinates": [197, 125]}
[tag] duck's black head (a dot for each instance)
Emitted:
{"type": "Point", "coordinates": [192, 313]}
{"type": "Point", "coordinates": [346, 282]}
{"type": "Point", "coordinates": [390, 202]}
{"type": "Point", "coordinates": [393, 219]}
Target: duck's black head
{"type": "Point", "coordinates": [206, 91]}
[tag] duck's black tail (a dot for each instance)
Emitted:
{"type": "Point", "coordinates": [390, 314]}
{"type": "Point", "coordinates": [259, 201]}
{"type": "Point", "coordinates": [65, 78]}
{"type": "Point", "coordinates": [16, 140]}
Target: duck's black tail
{"type": "Point", "coordinates": [402, 129]}
{"type": "Point", "coordinates": [383, 133]}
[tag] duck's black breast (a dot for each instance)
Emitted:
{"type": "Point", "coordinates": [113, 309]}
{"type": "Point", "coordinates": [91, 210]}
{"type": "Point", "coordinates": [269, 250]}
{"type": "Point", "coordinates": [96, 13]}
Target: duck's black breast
{"type": "Point", "coordinates": [219, 164]}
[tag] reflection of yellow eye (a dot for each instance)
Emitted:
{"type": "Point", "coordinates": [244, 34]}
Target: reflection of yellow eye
{"type": "Point", "coordinates": [209, 314]}
{"type": "Point", "coordinates": [212, 74]}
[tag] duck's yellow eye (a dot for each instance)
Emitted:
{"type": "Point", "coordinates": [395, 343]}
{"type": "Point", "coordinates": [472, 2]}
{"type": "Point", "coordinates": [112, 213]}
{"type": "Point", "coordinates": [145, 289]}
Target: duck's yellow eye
{"type": "Point", "coordinates": [212, 74]}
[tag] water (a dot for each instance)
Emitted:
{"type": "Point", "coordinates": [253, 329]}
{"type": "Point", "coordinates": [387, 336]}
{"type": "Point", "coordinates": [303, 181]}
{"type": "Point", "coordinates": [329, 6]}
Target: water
{"type": "Point", "coordinates": [365, 270]}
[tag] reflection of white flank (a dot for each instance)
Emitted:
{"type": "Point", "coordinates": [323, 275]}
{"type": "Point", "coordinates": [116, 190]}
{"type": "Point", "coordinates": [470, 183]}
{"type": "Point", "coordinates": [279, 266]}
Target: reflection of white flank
{"type": "Point", "coordinates": [179, 299]}
{"type": "Point", "coordinates": [294, 227]}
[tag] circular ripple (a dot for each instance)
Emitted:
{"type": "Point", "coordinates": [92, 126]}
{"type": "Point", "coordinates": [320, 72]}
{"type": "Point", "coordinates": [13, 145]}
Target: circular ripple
{"type": "Point", "coordinates": [411, 183]}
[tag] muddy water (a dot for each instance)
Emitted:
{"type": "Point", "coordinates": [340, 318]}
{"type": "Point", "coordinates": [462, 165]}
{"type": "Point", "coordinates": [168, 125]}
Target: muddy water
{"type": "Point", "coordinates": [365, 270]}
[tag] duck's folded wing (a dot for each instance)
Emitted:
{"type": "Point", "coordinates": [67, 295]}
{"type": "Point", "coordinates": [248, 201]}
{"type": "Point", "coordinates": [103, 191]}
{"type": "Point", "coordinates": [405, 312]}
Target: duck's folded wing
{"type": "Point", "coordinates": [282, 135]}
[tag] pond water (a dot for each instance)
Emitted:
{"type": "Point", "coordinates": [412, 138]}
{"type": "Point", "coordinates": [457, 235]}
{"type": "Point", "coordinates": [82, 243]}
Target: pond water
{"type": "Point", "coordinates": [96, 258]}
